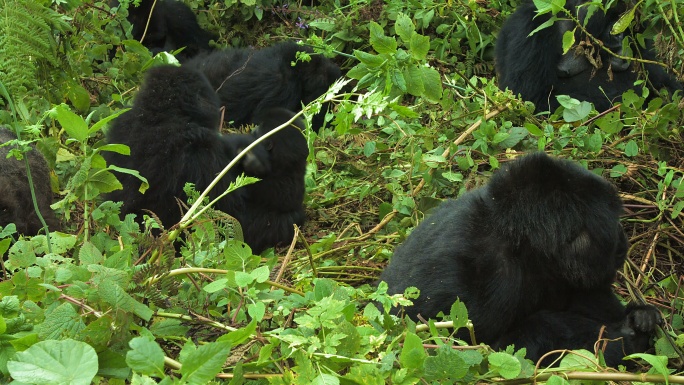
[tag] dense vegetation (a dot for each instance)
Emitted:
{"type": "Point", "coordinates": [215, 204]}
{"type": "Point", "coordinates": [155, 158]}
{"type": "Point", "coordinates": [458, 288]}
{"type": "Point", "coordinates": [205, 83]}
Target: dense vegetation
{"type": "Point", "coordinates": [418, 118]}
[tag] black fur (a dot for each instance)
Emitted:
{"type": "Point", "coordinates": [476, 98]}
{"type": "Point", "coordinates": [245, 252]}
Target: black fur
{"type": "Point", "coordinates": [250, 81]}
{"type": "Point", "coordinates": [172, 25]}
{"type": "Point", "coordinates": [16, 205]}
{"type": "Point", "coordinates": [533, 255]}
{"type": "Point", "coordinates": [535, 67]}
{"type": "Point", "coordinates": [274, 204]}
{"type": "Point", "coordinates": [172, 131]}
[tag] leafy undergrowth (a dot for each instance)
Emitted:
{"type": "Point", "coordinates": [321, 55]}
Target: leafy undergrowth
{"type": "Point", "coordinates": [106, 301]}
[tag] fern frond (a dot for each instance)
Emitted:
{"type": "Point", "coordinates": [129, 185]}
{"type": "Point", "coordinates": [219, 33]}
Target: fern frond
{"type": "Point", "coordinates": [27, 31]}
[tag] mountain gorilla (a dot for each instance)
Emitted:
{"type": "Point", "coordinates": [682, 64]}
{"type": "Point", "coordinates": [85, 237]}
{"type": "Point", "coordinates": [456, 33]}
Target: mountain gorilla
{"type": "Point", "coordinates": [276, 202]}
{"type": "Point", "coordinates": [535, 67]}
{"type": "Point", "coordinates": [532, 255]}
{"type": "Point", "coordinates": [249, 81]}
{"type": "Point", "coordinates": [16, 205]}
{"type": "Point", "coordinates": [172, 132]}
{"type": "Point", "coordinates": [172, 25]}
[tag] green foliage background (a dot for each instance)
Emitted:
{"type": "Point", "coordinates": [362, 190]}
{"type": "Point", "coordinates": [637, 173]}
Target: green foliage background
{"type": "Point", "coordinates": [422, 120]}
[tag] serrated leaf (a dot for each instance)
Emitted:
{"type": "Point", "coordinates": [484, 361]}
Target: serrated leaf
{"type": "Point", "coordinates": [120, 300]}
{"type": "Point", "coordinates": [202, 365]}
{"type": "Point", "coordinates": [504, 363]}
{"type": "Point", "coordinates": [239, 336]}
{"type": "Point", "coordinates": [412, 353]}
{"type": "Point", "coordinates": [381, 43]}
{"type": "Point", "coordinates": [325, 379]}
{"type": "Point", "coordinates": [432, 83]}
{"type": "Point", "coordinates": [568, 40]}
{"type": "Point", "coordinates": [63, 321]}
{"type": "Point", "coordinates": [404, 27]}
{"type": "Point", "coordinates": [52, 362]}
{"type": "Point", "coordinates": [145, 357]}
{"type": "Point", "coordinates": [419, 46]}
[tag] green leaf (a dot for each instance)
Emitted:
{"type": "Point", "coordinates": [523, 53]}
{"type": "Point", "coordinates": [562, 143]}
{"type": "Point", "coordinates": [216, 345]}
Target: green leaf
{"type": "Point", "coordinates": [568, 40]}
{"type": "Point", "coordinates": [404, 27]}
{"type": "Point", "coordinates": [120, 300]}
{"type": "Point", "coordinates": [202, 365]}
{"type": "Point", "coordinates": [239, 336]}
{"type": "Point", "coordinates": [73, 124]}
{"type": "Point", "coordinates": [103, 122]}
{"type": "Point", "coordinates": [62, 321]}
{"type": "Point", "coordinates": [256, 310]}
{"type": "Point", "coordinates": [146, 357]}
{"type": "Point", "coordinates": [260, 274]}
{"type": "Point", "coordinates": [658, 363]}
{"type": "Point", "coordinates": [504, 363]}
{"type": "Point", "coordinates": [67, 362]}
{"type": "Point", "coordinates": [370, 60]}
{"type": "Point", "coordinates": [623, 23]}
{"type": "Point", "coordinates": [419, 46]}
{"type": "Point", "coordinates": [446, 365]}
{"type": "Point", "coordinates": [412, 354]}
{"type": "Point", "coordinates": [381, 43]}
{"type": "Point", "coordinates": [631, 149]}
{"type": "Point", "coordinates": [243, 279]}
{"type": "Point", "coordinates": [432, 83]}
{"type": "Point", "coordinates": [325, 379]}
{"type": "Point", "coordinates": [215, 286]}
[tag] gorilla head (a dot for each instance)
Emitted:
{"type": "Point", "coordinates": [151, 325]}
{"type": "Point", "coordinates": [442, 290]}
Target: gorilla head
{"type": "Point", "coordinates": [536, 68]}
{"type": "Point", "coordinates": [16, 205]}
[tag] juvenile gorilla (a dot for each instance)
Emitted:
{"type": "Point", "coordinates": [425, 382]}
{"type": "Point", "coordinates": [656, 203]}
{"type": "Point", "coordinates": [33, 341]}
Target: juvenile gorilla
{"type": "Point", "coordinates": [275, 203]}
{"type": "Point", "coordinates": [249, 81]}
{"type": "Point", "coordinates": [172, 132]}
{"type": "Point", "coordinates": [172, 25]}
{"type": "Point", "coordinates": [532, 255]}
{"type": "Point", "coordinates": [535, 67]}
{"type": "Point", "coordinates": [16, 205]}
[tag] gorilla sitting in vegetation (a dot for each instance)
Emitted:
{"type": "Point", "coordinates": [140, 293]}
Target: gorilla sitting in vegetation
{"type": "Point", "coordinates": [16, 205]}
{"type": "Point", "coordinates": [249, 81]}
{"type": "Point", "coordinates": [275, 203]}
{"type": "Point", "coordinates": [536, 68]}
{"type": "Point", "coordinates": [172, 25]}
{"type": "Point", "coordinates": [533, 255]}
{"type": "Point", "coordinates": [172, 132]}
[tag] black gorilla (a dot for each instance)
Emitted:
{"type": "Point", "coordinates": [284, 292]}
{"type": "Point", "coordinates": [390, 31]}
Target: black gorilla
{"type": "Point", "coordinates": [249, 81]}
{"type": "Point", "coordinates": [172, 25]}
{"type": "Point", "coordinates": [535, 67]}
{"type": "Point", "coordinates": [532, 255]}
{"type": "Point", "coordinates": [274, 204]}
{"type": "Point", "coordinates": [173, 134]}
{"type": "Point", "coordinates": [16, 205]}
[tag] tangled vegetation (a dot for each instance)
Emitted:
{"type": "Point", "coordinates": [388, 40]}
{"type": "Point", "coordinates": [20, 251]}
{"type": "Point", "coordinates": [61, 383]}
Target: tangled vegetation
{"type": "Point", "coordinates": [418, 118]}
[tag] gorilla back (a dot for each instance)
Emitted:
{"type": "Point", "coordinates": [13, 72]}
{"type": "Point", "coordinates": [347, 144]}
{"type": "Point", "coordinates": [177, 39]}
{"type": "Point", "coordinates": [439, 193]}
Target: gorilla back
{"type": "Point", "coordinates": [251, 81]}
{"type": "Point", "coordinates": [16, 205]}
{"type": "Point", "coordinates": [532, 255]}
{"type": "Point", "coordinates": [535, 67]}
{"type": "Point", "coordinates": [172, 132]}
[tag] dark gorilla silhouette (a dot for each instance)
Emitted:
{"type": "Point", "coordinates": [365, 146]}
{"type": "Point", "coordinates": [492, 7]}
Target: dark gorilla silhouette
{"type": "Point", "coordinates": [533, 255]}
{"type": "Point", "coordinates": [275, 203]}
{"type": "Point", "coordinates": [173, 133]}
{"type": "Point", "coordinates": [16, 205]}
{"type": "Point", "coordinates": [535, 67]}
{"type": "Point", "coordinates": [250, 81]}
{"type": "Point", "coordinates": [172, 25]}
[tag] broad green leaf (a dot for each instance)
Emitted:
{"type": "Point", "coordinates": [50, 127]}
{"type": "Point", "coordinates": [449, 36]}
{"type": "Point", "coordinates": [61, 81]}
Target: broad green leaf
{"type": "Point", "coordinates": [404, 27]}
{"type": "Point", "coordinates": [215, 286]}
{"type": "Point", "coordinates": [52, 362]}
{"type": "Point", "coordinates": [260, 274]}
{"type": "Point", "coordinates": [120, 300]}
{"type": "Point", "coordinates": [412, 353]}
{"type": "Point", "coordinates": [447, 364]}
{"type": "Point", "coordinates": [631, 149]}
{"type": "Point", "coordinates": [146, 357]}
{"type": "Point", "coordinates": [381, 43]}
{"type": "Point", "coordinates": [370, 60]}
{"type": "Point", "coordinates": [432, 83]}
{"type": "Point", "coordinates": [504, 363]}
{"type": "Point", "coordinates": [419, 47]}
{"type": "Point", "coordinates": [256, 310]}
{"type": "Point", "coordinates": [325, 379]}
{"type": "Point", "coordinates": [73, 124]}
{"type": "Point", "coordinates": [239, 336]}
{"type": "Point", "coordinates": [658, 363]}
{"type": "Point", "coordinates": [459, 314]}
{"type": "Point", "coordinates": [202, 365]}
{"type": "Point", "coordinates": [63, 321]}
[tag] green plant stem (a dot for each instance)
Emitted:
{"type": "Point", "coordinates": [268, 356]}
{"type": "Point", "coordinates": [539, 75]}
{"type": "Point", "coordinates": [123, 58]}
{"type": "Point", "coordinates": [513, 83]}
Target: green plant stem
{"type": "Point", "coordinates": [191, 270]}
